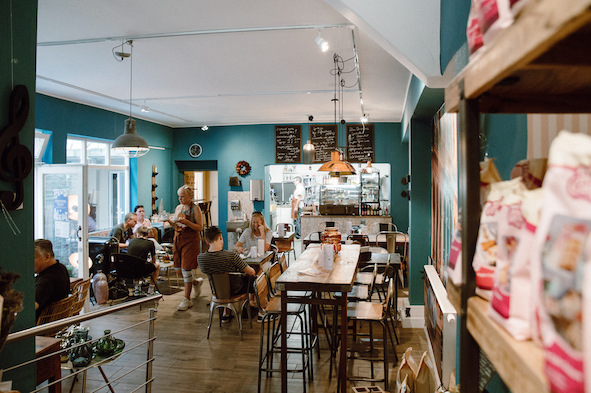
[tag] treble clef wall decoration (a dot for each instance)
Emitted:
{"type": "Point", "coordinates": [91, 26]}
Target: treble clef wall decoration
{"type": "Point", "coordinates": [16, 161]}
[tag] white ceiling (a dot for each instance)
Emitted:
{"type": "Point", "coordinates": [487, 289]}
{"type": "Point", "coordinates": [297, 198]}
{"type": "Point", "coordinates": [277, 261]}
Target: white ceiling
{"type": "Point", "coordinates": [219, 62]}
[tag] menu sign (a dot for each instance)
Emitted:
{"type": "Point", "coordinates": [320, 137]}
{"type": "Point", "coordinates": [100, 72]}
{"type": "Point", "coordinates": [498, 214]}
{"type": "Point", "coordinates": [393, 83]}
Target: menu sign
{"type": "Point", "coordinates": [360, 143]}
{"type": "Point", "coordinates": [288, 144]}
{"type": "Point", "coordinates": [324, 139]}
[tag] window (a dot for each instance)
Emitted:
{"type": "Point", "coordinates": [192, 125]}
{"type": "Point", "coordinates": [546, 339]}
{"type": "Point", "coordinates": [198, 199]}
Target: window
{"type": "Point", "coordinates": [41, 141]}
{"type": "Point", "coordinates": [93, 152]}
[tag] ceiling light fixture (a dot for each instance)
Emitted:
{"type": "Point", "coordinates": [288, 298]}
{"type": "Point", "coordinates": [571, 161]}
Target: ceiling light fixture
{"type": "Point", "coordinates": [364, 118]}
{"type": "Point", "coordinates": [130, 143]}
{"type": "Point", "coordinates": [145, 108]}
{"type": "Point", "coordinates": [204, 128]}
{"type": "Point", "coordinates": [336, 167]}
{"type": "Point", "coordinates": [321, 42]}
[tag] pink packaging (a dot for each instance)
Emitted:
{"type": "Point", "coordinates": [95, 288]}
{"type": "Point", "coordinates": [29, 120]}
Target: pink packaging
{"type": "Point", "coordinates": [473, 32]}
{"type": "Point", "coordinates": [454, 265]}
{"type": "Point", "coordinates": [511, 300]}
{"type": "Point", "coordinates": [494, 17]}
{"type": "Point", "coordinates": [485, 255]}
{"type": "Point", "coordinates": [561, 255]}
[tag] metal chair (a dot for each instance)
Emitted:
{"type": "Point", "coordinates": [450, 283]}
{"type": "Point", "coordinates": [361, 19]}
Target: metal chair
{"type": "Point", "coordinates": [362, 239]}
{"type": "Point", "coordinates": [221, 297]}
{"type": "Point", "coordinates": [371, 312]}
{"type": "Point", "coordinates": [270, 308]}
{"type": "Point", "coordinates": [383, 227]}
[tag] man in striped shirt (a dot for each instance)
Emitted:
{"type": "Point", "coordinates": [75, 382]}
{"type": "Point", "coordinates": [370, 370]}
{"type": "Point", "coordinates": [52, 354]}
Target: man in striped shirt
{"type": "Point", "coordinates": [218, 260]}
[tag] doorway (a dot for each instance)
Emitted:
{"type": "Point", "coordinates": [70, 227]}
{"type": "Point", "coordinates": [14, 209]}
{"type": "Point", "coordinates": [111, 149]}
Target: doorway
{"type": "Point", "coordinates": [205, 184]}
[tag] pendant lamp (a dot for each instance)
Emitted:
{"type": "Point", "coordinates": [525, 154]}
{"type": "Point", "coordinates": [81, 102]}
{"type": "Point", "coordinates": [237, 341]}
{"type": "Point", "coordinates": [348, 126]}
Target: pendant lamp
{"type": "Point", "coordinates": [309, 153]}
{"type": "Point", "coordinates": [336, 167]}
{"type": "Point", "coordinates": [130, 143]}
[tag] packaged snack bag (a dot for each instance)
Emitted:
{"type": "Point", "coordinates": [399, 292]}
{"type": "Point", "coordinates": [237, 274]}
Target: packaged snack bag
{"type": "Point", "coordinates": [473, 32]}
{"type": "Point", "coordinates": [494, 16]}
{"type": "Point", "coordinates": [485, 255]}
{"type": "Point", "coordinates": [511, 300]}
{"type": "Point", "coordinates": [561, 254]}
{"type": "Point", "coordinates": [531, 171]}
{"type": "Point", "coordinates": [489, 174]}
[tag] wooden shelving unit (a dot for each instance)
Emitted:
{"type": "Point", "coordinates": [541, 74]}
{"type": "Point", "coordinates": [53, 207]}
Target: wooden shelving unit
{"type": "Point", "coordinates": [540, 64]}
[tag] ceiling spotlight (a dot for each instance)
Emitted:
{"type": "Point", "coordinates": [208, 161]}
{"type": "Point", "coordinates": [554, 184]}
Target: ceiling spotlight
{"type": "Point", "coordinates": [145, 108]}
{"type": "Point", "coordinates": [204, 128]}
{"type": "Point", "coordinates": [321, 42]}
{"type": "Point", "coordinates": [364, 118]}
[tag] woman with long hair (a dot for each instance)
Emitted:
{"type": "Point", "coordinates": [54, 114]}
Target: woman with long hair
{"type": "Point", "coordinates": [258, 230]}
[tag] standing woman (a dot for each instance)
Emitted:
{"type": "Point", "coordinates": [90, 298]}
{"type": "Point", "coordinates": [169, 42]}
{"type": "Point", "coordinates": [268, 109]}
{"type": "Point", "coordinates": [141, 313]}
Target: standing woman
{"type": "Point", "coordinates": [187, 223]}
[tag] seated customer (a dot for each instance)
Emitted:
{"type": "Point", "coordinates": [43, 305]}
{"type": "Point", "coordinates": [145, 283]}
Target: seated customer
{"type": "Point", "coordinates": [124, 231]}
{"type": "Point", "coordinates": [218, 260]}
{"type": "Point", "coordinates": [144, 248]}
{"type": "Point", "coordinates": [53, 281]}
{"type": "Point", "coordinates": [257, 230]}
{"type": "Point", "coordinates": [142, 221]}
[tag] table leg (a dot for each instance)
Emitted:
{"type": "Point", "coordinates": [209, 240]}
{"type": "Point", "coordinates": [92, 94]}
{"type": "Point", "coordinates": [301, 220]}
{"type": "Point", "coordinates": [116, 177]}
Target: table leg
{"type": "Point", "coordinates": [283, 341]}
{"type": "Point", "coordinates": [105, 378]}
{"type": "Point", "coordinates": [343, 360]}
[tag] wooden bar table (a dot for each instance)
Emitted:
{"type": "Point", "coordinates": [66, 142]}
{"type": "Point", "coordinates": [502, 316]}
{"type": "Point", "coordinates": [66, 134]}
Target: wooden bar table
{"type": "Point", "coordinates": [304, 274]}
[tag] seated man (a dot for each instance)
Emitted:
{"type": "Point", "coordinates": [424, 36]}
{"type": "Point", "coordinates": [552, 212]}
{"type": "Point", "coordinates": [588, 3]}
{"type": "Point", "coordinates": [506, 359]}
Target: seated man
{"type": "Point", "coordinates": [53, 281]}
{"type": "Point", "coordinates": [144, 248]}
{"type": "Point", "coordinates": [218, 260]}
{"type": "Point", "coordinates": [124, 231]}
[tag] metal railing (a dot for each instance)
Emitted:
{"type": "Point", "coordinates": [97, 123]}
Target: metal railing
{"type": "Point", "coordinates": [57, 325]}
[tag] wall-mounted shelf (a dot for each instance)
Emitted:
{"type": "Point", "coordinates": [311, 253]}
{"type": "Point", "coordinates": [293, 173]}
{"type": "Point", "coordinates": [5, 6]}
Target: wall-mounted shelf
{"type": "Point", "coordinates": [540, 64]}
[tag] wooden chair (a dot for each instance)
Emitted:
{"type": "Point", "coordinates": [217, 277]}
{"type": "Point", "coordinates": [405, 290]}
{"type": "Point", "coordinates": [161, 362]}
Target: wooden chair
{"type": "Point", "coordinates": [372, 312]}
{"type": "Point", "coordinates": [221, 297]}
{"type": "Point", "coordinates": [270, 308]}
{"type": "Point", "coordinates": [285, 246]}
{"type": "Point", "coordinates": [57, 310]}
{"type": "Point", "coordinates": [80, 293]}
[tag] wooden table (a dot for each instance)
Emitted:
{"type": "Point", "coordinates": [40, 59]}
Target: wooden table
{"type": "Point", "coordinates": [257, 262]}
{"type": "Point", "coordinates": [340, 279]}
{"type": "Point", "coordinates": [49, 369]}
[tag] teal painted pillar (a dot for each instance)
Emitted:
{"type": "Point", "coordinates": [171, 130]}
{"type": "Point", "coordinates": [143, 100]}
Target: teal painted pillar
{"type": "Point", "coordinates": [419, 207]}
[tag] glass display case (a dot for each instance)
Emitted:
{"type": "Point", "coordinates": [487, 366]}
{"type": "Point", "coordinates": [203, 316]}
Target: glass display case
{"type": "Point", "coordinates": [339, 198]}
{"type": "Point", "coordinates": [370, 193]}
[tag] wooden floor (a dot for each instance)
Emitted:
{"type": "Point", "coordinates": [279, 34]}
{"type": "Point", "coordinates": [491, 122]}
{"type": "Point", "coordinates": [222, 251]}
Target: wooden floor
{"type": "Point", "coordinates": [186, 361]}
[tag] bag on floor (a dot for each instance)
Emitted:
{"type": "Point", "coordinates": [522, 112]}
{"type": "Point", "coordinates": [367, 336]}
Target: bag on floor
{"type": "Point", "coordinates": [425, 381]}
{"type": "Point", "coordinates": [511, 302]}
{"type": "Point", "coordinates": [117, 289]}
{"type": "Point", "coordinates": [407, 371]}
{"type": "Point", "coordinates": [561, 255]}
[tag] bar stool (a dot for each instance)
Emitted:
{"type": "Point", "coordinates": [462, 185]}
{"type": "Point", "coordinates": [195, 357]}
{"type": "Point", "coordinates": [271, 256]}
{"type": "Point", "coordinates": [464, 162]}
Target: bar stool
{"type": "Point", "coordinates": [270, 307]}
{"type": "Point", "coordinates": [371, 312]}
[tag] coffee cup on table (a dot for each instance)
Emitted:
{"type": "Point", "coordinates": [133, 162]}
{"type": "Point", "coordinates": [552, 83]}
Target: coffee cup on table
{"type": "Point", "coordinates": [253, 252]}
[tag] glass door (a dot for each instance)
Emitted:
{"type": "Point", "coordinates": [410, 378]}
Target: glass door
{"type": "Point", "coordinates": [61, 214]}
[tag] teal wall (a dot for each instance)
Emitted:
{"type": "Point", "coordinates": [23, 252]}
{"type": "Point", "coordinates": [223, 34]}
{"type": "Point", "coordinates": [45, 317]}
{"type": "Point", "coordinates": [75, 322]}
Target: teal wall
{"type": "Point", "coordinates": [19, 35]}
{"type": "Point", "coordinates": [412, 99]}
{"type": "Point", "coordinates": [256, 145]}
{"type": "Point", "coordinates": [452, 30]}
{"type": "Point", "coordinates": [507, 151]}
{"type": "Point", "coordinates": [420, 207]}
{"type": "Point", "coordinates": [64, 117]}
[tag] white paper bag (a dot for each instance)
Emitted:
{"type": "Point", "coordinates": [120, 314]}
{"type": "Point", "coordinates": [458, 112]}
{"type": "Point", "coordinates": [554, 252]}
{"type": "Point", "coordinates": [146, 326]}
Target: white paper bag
{"type": "Point", "coordinates": [328, 256]}
{"type": "Point", "coordinates": [349, 227]}
{"type": "Point", "coordinates": [281, 230]}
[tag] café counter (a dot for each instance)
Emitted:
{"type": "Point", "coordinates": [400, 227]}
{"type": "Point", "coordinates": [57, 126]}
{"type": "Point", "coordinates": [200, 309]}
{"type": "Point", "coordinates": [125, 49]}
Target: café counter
{"type": "Point", "coordinates": [312, 223]}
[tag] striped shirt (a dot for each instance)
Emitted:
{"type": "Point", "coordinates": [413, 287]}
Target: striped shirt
{"type": "Point", "coordinates": [223, 261]}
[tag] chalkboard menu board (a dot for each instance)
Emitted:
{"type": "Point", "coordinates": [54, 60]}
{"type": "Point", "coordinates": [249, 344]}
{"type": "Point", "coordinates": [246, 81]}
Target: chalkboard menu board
{"type": "Point", "coordinates": [360, 143]}
{"type": "Point", "coordinates": [288, 144]}
{"type": "Point", "coordinates": [324, 139]}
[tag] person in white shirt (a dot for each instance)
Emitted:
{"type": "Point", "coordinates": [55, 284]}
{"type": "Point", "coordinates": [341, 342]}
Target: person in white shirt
{"type": "Point", "coordinates": [250, 237]}
{"type": "Point", "coordinates": [297, 204]}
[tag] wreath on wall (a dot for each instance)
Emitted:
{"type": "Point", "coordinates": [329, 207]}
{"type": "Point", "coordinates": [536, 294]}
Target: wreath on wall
{"type": "Point", "coordinates": [243, 168]}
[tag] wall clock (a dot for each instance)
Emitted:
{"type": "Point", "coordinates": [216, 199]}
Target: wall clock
{"type": "Point", "coordinates": [195, 150]}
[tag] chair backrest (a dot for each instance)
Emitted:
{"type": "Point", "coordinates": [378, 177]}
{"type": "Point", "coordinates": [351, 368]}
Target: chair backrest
{"type": "Point", "coordinates": [288, 227]}
{"type": "Point", "coordinates": [220, 285]}
{"type": "Point", "coordinates": [389, 295]}
{"type": "Point", "coordinates": [275, 251]}
{"type": "Point", "coordinates": [274, 273]}
{"type": "Point", "coordinates": [261, 289]}
{"type": "Point", "coordinates": [128, 266]}
{"type": "Point", "coordinates": [361, 239]}
{"type": "Point", "coordinates": [329, 224]}
{"type": "Point", "coordinates": [56, 310]}
{"type": "Point", "coordinates": [80, 293]}
{"type": "Point", "coordinates": [283, 263]}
